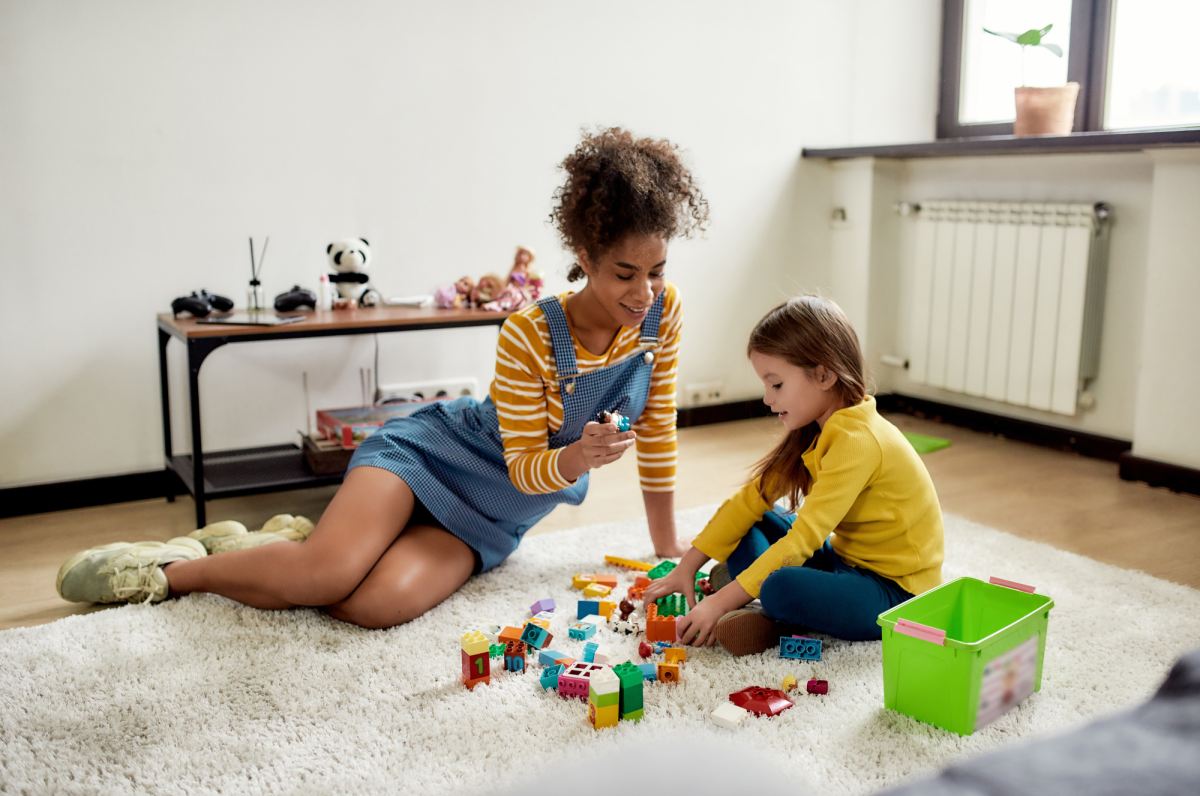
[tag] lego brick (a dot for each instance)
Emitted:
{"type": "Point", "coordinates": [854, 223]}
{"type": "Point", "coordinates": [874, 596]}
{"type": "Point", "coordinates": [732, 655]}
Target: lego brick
{"type": "Point", "coordinates": [661, 570]}
{"type": "Point", "coordinates": [800, 648]}
{"type": "Point", "coordinates": [594, 619]}
{"type": "Point", "coordinates": [659, 628]}
{"type": "Point", "coordinates": [589, 651]}
{"type": "Point", "coordinates": [729, 715]}
{"type": "Point", "coordinates": [475, 666]}
{"type": "Point", "coordinates": [582, 631]}
{"type": "Point", "coordinates": [605, 681]}
{"type": "Point", "coordinates": [540, 621]}
{"type": "Point", "coordinates": [672, 605]}
{"type": "Point", "coordinates": [474, 643]}
{"type": "Point", "coordinates": [597, 590]}
{"type": "Point", "coordinates": [470, 684]}
{"type": "Point", "coordinates": [564, 662]}
{"type": "Point", "coordinates": [582, 581]}
{"type": "Point", "coordinates": [817, 687]}
{"type": "Point", "coordinates": [545, 604]}
{"type": "Point", "coordinates": [601, 654]}
{"type": "Point", "coordinates": [548, 657]}
{"type": "Point", "coordinates": [547, 615]}
{"type": "Point", "coordinates": [509, 634]}
{"type": "Point", "coordinates": [629, 674]}
{"type": "Point", "coordinates": [668, 673]}
{"type": "Point", "coordinates": [761, 701]}
{"type": "Point", "coordinates": [642, 566]}
{"type": "Point", "coordinates": [536, 637]}
{"type": "Point", "coordinates": [606, 608]}
{"type": "Point", "coordinates": [632, 716]}
{"type": "Point", "coordinates": [601, 717]}
{"type": "Point", "coordinates": [496, 651]}
{"type": "Point", "coordinates": [490, 632]}
{"type": "Point", "coordinates": [549, 678]}
{"type": "Point", "coordinates": [587, 608]}
{"type": "Point", "coordinates": [514, 663]}
{"type": "Point", "coordinates": [603, 700]}
{"type": "Point", "coordinates": [575, 680]}
{"type": "Point", "coordinates": [676, 654]}
{"type": "Point", "coordinates": [649, 671]}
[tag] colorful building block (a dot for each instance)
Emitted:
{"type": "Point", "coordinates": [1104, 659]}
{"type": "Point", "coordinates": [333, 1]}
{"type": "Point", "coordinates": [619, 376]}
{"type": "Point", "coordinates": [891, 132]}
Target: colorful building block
{"type": "Point", "coordinates": [496, 650]}
{"type": "Point", "coordinates": [761, 701]}
{"type": "Point", "coordinates": [596, 590]}
{"type": "Point", "coordinates": [672, 605]}
{"type": "Point", "coordinates": [601, 655]}
{"type": "Point", "coordinates": [661, 570]}
{"type": "Point", "coordinates": [475, 669]}
{"type": "Point", "coordinates": [515, 663]}
{"type": "Point", "coordinates": [575, 680]}
{"type": "Point", "coordinates": [659, 628]}
{"type": "Point", "coordinates": [641, 566]}
{"type": "Point", "coordinates": [490, 632]}
{"type": "Point", "coordinates": [545, 604]}
{"type": "Point", "coordinates": [676, 654]}
{"type": "Point", "coordinates": [603, 717]}
{"type": "Point", "coordinates": [638, 589]}
{"type": "Point", "coordinates": [593, 619]}
{"type": "Point", "coordinates": [604, 698]}
{"type": "Point", "coordinates": [800, 647]}
{"type": "Point", "coordinates": [542, 621]}
{"type": "Point", "coordinates": [631, 679]}
{"type": "Point", "coordinates": [587, 608]}
{"type": "Point", "coordinates": [548, 657]}
{"type": "Point", "coordinates": [606, 608]}
{"type": "Point", "coordinates": [589, 651]}
{"type": "Point", "coordinates": [649, 671]}
{"type": "Point", "coordinates": [582, 631]}
{"type": "Point", "coordinates": [818, 687]}
{"type": "Point", "coordinates": [668, 673]}
{"type": "Point", "coordinates": [582, 581]}
{"type": "Point", "coordinates": [509, 634]}
{"type": "Point", "coordinates": [566, 661]}
{"type": "Point", "coordinates": [474, 643]}
{"type": "Point", "coordinates": [729, 716]}
{"type": "Point", "coordinates": [536, 637]}
{"type": "Point", "coordinates": [549, 678]}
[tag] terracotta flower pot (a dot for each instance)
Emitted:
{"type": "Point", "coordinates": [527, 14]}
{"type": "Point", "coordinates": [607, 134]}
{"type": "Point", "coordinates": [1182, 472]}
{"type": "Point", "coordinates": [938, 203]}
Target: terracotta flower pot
{"type": "Point", "coordinates": [1045, 111]}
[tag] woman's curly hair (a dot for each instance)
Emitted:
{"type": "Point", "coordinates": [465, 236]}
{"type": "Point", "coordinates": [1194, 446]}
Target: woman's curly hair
{"type": "Point", "coordinates": [617, 186]}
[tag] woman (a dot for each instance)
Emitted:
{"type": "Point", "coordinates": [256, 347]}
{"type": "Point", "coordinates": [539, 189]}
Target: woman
{"type": "Point", "coordinates": [450, 490]}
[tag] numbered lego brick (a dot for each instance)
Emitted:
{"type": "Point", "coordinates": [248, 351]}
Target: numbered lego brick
{"type": "Point", "coordinates": [549, 678]}
{"type": "Point", "coordinates": [676, 654]}
{"type": "Point", "coordinates": [603, 717]}
{"type": "Point", "coordinates": [474, 643]}
{"type": "Point", "coordinates": [729, 715]}
{"type": "Point", "coordinates": [587, 608]}
{"type": "Point", "coordinates": [596, 590]}
{"type": "Point", "coordinates": [475, 666]}
{"type": "Point", "coordinates": [582, 631]}
{"type": "Point", "coordinates": [800, 648]}
{"type": "Point", "coordinates": [536, 637]}
{"type": "Point", "coordinates": [515, 663]}
{"type": "Point", "coordinates": [546, 604]}
{"type": "Point", "coordinates": [668, 673]}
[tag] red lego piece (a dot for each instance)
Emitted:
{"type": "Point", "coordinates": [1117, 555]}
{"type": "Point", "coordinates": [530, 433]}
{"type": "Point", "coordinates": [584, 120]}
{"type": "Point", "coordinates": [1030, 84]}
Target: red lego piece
{"type": "Point", "coordinates": [475, 667]}
{"type": "Point", "coordinates": [761, 701]}
{"type": "Point", "coordinates": [645, 650]}
{"type": "Point", "coordinates": [818, 686]}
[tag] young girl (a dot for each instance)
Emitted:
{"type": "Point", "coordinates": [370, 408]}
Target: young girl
{"type": "Point", "coordinates": [868, 532]}
{"type": "Point", "coordinates": [451, 490]}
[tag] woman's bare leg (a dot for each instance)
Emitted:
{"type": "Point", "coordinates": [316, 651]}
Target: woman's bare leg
{"type": "Point", "coordinates": [424, 566]}
{"type": "Point", "coordinates": [363, 520]}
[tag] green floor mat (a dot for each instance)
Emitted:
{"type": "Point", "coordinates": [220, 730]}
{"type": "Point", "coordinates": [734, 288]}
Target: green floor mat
{"type": "Point", "coordinates": [924, 444]}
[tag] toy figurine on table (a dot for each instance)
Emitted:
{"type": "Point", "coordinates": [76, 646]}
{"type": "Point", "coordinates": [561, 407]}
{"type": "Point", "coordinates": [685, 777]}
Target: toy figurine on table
{"type": "Point", "coordinates": [522, 287]}
{"type": "Point", "coordinates": [618, 420]}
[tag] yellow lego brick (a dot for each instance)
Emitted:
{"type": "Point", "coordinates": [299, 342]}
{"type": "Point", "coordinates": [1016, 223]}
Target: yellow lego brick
{"type": "Point", "coordinates": [606, 608]}
{"type": "Point", "coordinates": [581, 581]}
{"type": "Point", "coordinates": [596, 590]}
{"type": "Point", "coordinates": [474, 643]}
{"type": "Point", "coordinates": [641, 566]}
{"type": "Point", "coordinates": [603, 717]}
{"type": "Point", "coordinates": [668, 672]}
{"type": "Point", "coordinates": [675, 654]}
{"type": "Point", "coordinates": [542, 623]}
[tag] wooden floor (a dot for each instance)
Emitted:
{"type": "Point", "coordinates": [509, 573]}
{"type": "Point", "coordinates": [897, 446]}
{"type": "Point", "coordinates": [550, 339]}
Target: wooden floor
{"type": "Point", "coordinates": [1068, 501]}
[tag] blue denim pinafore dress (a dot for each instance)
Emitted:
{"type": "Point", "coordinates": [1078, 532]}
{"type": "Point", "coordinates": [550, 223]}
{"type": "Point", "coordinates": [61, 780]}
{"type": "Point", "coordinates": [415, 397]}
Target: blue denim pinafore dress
{"type": "Point", "coordinates": [450, 453]}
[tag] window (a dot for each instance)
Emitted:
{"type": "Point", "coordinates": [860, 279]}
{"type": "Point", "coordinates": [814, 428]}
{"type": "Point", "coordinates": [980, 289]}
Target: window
{"type": "Point", "coordinates": [1133, 60]}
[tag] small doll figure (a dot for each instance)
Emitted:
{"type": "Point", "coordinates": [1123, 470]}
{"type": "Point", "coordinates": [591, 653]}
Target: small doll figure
{"type": "Point", "coordinates": [463, 288]}
{"type": "Point", "coordinates": [619, 420]}
{"type": "Point", "coordinates": [453, 296]}
{"type": "Point", "coordinates": [510, 299]}
{"type": "Point", "coordinates": [488, 288]}
{"type": "Point", "coordinates": [519, 273]}
{"type": "Point", "coordinates": [533, 285]}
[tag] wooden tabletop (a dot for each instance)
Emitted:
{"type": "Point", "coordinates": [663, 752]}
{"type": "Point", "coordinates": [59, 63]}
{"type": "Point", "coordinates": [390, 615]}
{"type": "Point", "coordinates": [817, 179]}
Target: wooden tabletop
{"type": "Point", "coordinates": [363, 318]}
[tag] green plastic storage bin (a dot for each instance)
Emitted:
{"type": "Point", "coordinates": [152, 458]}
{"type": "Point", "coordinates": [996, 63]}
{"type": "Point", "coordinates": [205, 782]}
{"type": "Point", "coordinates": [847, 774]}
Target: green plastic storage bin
{"type": "Point", "coordinates": [961, 655]}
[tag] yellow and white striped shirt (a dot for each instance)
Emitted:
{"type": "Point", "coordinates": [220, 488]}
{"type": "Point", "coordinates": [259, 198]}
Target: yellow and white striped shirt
{"type": "Point", "coordinates": [529, 405]}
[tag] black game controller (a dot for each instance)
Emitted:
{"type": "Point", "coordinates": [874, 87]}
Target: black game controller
{"type": "Point", "coordinates": [294, 299]}
{"type": "Point", "coordinates": [201, 304]}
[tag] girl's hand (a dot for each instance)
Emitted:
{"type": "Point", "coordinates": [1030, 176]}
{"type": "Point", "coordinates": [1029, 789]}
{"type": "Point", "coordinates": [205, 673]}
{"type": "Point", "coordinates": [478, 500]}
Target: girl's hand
{"type": "Point", "coordinates": [677, 581]}
{"type": "Point", "coordinates": [602, 444]}
{"type": "Point", "coordinates": [696, 627]}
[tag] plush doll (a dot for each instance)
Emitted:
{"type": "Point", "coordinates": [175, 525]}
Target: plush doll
{"type": "Point", "coordinates": [349, 259]}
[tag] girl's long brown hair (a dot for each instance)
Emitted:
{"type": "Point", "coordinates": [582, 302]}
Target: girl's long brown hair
{"type": "Point", "coordinates": [806, 331]}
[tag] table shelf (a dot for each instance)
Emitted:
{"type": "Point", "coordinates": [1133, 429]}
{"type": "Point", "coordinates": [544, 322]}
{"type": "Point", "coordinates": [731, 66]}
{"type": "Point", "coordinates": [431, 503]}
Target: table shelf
{"type": "Point", "coordinates": [251, 471]}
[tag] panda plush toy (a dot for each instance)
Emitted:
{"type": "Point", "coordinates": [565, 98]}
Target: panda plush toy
{"type": "Point", "coordinates": [349, 259]}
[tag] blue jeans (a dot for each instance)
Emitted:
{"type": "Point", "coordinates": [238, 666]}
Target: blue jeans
{"type": "Point", "coordinates": [825, 594]}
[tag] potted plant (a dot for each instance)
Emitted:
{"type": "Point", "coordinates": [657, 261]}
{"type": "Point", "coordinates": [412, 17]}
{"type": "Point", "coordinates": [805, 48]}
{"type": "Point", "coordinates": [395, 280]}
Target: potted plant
{"type": "Point", "coordinates": [1041, 111]}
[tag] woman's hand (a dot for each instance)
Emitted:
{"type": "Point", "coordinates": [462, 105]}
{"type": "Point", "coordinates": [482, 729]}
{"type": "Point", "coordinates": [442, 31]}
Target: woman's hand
{"type": "Point", "coordinates": [600, 444]}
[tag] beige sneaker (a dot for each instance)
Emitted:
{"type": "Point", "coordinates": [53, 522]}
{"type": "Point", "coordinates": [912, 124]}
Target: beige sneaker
{"type": "Point", "coordinates": [280, 528]}
{"type": "Point", "coordinates": [214, 533]}
{"type": "Point", "coordinates": [748, 631]}
{"type": "Point", "coordinates": [124, 572]}
{"type": "Point", "coordinates": [718, 576]}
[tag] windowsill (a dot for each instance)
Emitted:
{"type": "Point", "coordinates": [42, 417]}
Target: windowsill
{"type": "Point", "coordinates": [1103, 141]}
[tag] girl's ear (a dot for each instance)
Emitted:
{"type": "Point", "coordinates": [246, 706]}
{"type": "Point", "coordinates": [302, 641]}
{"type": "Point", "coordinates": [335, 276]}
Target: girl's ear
{"type": "Point", "coordinates": [824, 377]}
{"type": "Point", "coordinates": [584, 262]}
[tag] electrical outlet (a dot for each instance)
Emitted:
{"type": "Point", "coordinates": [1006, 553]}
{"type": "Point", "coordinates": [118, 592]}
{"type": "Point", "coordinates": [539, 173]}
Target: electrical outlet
{"type": "Point", "coordinates": [708, 392]}
{"type": "Point", "coordinates": [445, 388]}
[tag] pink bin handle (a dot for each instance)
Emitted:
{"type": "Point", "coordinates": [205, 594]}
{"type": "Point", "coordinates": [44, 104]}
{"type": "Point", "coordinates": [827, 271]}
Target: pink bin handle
{"type": "Point", "coordinates": [1012, 584]}
{"type": "Point", "coordinates": [923, 632]}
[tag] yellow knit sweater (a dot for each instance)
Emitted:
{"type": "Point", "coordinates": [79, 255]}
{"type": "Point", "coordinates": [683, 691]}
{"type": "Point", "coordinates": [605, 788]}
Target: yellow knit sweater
{"type": "Point", "coordinates": [869, 489]}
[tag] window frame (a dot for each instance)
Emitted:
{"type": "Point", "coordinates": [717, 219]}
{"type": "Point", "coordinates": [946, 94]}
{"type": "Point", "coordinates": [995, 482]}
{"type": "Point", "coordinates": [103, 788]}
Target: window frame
{"type": "Point", "coordinates": [1087, 64]}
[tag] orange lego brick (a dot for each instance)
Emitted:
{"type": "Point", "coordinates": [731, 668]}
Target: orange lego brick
{"type": "Point", "coordinates": [675, 655]}
{"type": "Point", "coordinates": [629, 563]}
{"type": "Point", "coordinates": [668, 672]}
{"type": "Point", "coordinates": [566, 662]}
{"type": "Point", "coordinates": [583, 581]}
{"type": "Point", "coordinates": [659, 628]}
{"type": "Point", "coordinates": [470, 684]}
{"type": "Point", "coordinates": [606, 608]}
{"type": "Point", "coordinates": [510, 634]}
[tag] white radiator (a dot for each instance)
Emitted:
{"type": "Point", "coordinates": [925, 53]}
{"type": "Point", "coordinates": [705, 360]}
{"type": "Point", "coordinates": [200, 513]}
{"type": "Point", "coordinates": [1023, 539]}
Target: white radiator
{"type": "Point", "coordinates": [1009, 300]}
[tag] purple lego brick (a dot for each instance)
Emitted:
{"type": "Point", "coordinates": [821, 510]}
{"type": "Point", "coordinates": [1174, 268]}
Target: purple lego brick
{"type": "Point", "coordinates": [542, 605]}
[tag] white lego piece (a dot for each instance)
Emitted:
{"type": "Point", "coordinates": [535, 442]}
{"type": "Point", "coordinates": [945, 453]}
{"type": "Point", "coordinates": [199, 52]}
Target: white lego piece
{"type": "Point", "coordinates": [594, 619]}
{"type": "Point", "coordinates": [729, 715]}
{"type": "Point", "coordinates": [605, 681]}
{"type": "Point", "coordinates": [490, 632]}
{"type": "Point", "coordinates": [602, 655]}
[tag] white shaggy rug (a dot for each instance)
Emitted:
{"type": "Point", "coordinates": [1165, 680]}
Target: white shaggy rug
{"type": "Point", "coordinates": [203, 696]}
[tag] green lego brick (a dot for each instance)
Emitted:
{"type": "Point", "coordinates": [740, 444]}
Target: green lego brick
{"type": "Point", "coordinates": [631, 700]}
{"type": "Point", "coordinates": [496, 651]}
{"type": "Point", "coordinates": [672, 605]}
{"type": "Point", "coordinates": [628, 673]}
{"type": "Point", "coordinates": [603, 700]}
{"type": "Point", "coordinates": [661, 570]}
{"type": "Point", "coordinates": [634, 716]}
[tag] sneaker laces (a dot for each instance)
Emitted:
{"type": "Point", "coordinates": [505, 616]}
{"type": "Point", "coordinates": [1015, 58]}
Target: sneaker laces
{"type": "Point", "coordinates": [129, 585]}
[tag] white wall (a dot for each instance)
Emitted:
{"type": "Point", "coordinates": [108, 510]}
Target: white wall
{"type": "Point", "coordinates": [143, 142]}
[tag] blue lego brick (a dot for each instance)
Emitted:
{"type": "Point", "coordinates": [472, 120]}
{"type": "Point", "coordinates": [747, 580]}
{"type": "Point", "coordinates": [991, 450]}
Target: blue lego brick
{"type": "Point", "coordinates": [649, 671]}
{"type": "Point", "coordinates": [805, 649]}
{"type": "Point", "coordinates": [589, 651]}
{"type": "Point", "coordinates": [582, 630]}
{"type": "Point", "coordinates": [549, 678]}
{"type": "Point", "coordinates": [588, 608]}
{"type": "Point", "coordinates": [535, 636]}
{"type": "Point", "coordinates": [514, 663]}
{"type": "Point", "coordinates": [548, 657]}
